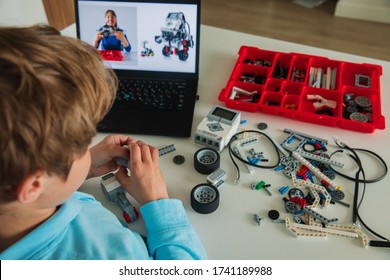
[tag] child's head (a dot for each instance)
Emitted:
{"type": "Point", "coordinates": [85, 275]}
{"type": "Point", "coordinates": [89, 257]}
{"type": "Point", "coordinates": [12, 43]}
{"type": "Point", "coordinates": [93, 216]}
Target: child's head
{"type": "Point", "coordinates": [53, 92]}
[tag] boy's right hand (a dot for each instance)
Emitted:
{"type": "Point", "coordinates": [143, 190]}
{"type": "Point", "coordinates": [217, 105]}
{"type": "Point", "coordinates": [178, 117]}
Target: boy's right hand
{"type": "Point", "coordinates": [146, 182]}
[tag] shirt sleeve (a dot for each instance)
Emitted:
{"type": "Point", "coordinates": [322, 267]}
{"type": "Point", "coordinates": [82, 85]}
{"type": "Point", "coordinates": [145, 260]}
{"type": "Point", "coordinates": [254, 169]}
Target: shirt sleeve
{"type": "Point", "coordinates": [169, 234]}
{"type": "Point", "coordinates": [128, 48]}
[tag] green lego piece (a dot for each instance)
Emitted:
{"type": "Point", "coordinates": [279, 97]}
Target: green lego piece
{"type": "Point", "coordinates": [260, 185]}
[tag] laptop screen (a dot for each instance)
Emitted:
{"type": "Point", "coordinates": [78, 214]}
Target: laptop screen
{"type": "Point", "coordinates": [156, 36]}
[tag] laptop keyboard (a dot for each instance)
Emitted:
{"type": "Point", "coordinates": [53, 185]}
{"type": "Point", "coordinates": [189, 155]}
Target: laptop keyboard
{"type": "Point", "coordinates": [151, 94]}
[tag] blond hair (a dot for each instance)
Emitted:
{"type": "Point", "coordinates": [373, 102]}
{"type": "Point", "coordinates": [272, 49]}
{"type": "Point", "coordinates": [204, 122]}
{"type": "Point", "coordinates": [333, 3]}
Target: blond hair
{"type": "Point", "coordinates": [54, 90]}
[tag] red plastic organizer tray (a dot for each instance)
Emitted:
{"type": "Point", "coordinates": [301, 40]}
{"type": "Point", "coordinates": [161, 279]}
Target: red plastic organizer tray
{"type": "Point", "coordinates": [307, 88]}
{"type": "Point", "coordinates": [111, 55]}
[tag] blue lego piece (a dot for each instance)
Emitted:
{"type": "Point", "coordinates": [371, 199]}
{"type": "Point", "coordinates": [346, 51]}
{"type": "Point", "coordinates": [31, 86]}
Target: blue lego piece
{"type": "Point", "coordinates": [283, 189]}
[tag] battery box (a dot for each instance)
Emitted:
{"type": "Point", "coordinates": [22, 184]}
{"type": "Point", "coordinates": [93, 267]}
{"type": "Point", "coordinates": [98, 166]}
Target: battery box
{"type": "Point", "coordinates": [308, 88]}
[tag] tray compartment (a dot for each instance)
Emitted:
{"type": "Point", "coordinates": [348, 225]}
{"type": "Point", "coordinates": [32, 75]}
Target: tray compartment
{"type": "Point", "coordinates": [319, 101]}
{"type": "Point", "coordinates": [281, 67]}
{"type": "Point", "coordinates": [361, 107]}
{"type": "Point", "coordinates": [271, 102]}
{"type": "Point", "coordinates": [299, 68]}
{"type": "Point", "coordinates": [292, 88]}
{"type": "Point", "coordinates": [323, 73]}
{"type": "Point", "coordinates": [250, 74]}
{"type": "Point", "coordinates": [290, 106]}
{"type": "Point", "coordinates": [240, 100]}
{"type": "Point", "coordinates": [273, 85]}
{"type": "Point", "coordinates": [257, 57]}
{"type": "Point", "coordinates": [361, 75]}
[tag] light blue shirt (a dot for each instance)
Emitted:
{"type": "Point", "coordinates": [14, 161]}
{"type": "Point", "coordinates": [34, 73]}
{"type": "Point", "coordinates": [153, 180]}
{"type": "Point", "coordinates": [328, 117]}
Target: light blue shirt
{"type": "Point", "coordinates": [83, 229]}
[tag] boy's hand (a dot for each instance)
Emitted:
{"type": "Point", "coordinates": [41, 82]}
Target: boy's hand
{"type": "Point", "coordinates": [146, 182]}
{"type": "Point", "coordinates": [104, 154]}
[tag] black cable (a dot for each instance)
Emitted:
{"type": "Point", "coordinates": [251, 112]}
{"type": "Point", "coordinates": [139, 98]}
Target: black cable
{"type": "Point", "coordinates": [375, 180]}
{"type": "Point", "coordinates": [357, 180]}
{"type": "Point", "coordinates": [231, 152]}
{"type": "Point", "coordinates": [235, 165]}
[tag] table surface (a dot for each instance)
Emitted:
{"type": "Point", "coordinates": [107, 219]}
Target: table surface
{"type": "Point", "coordinates": [230, 232]}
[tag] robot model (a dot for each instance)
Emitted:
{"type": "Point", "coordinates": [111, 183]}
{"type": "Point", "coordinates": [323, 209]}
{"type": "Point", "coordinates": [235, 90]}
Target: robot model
{"type": "Point", "coordinates": [175, 36]}
{"type": "Point", "coordinates": [146, 51]}
{"type": "Point", "coordinates": [108, 31]}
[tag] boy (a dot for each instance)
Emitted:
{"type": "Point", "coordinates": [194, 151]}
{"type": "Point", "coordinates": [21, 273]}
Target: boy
{"type": "Point", "coordinates": [54, 90]}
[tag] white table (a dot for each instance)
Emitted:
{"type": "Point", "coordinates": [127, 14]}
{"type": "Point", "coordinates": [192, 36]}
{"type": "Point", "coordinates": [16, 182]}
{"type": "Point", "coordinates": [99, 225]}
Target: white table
{"type": "Point", "coordinates": [230, 232]}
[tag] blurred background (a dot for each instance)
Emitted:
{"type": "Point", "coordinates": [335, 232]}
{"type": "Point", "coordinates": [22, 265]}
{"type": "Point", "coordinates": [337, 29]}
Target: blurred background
{"type": "Point", "coordinates": [360, 27]}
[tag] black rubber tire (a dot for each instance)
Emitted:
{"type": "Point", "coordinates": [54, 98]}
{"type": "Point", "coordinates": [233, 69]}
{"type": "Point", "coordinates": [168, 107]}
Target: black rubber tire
{"type": "Point", "coordinates": [179, 159]}
{"type": "Point", "coordinates": [204, 198]}
{"type": "Point", "coordinates": [206, 160]}
{"type": "Point", "coordinates": [182, 55]}
{"type": "Point", "coordinates": [165, 52]}
{"type": "Point", "coordinates": [273, 214]}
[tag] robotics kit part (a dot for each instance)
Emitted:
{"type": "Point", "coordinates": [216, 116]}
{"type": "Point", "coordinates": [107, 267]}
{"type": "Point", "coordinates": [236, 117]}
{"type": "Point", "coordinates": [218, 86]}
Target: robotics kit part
{"type": "Point", "coordinates": [357, 108]}
{"type": "Point", "coordinates": [358, 117]}
{"type": "Point", "coordinates": [320, 102]}
{"type": "Point", "coordinates": [115, 193]}
{"type": "Point", "coordinates": [217, 128]}
{"type": "Point", "coordinates": [295, 192]}
{"type": "Point", "coordinates": [282, 190]}
{"type": "Point", "coordinates": [273, 214]}
{"type": "Point", "coordinates": [204, 198]}
{"type": "Point", "coordinates": [315, 171]}
{"type": "Point", "coordinates": [110, 186]}
{"type": "Point", "coordinates": [236, 92]}
{"type": "Point", "coordinates": [304, 140]}
{"type": "Point", "coordinates": [257, 219]}
{"type": "Point", "coordinates": [318, 216]}
{"type": "Point", "coordinates": [313, 230]}
{"type": "Point", "coordinates": [362, 81]}
{"type": "Point", "coordinates": [305, 135]}
{"type": "Point", "coordinates": [179, 159]}
{"type": "Point", "coordinates": [322, 77]}
{"type": "Point", "coordinates": [320, 158]}
{"type": "Point", "coordinates": [206, 160]}
{"type": "Point", "coordinates": [315, 190]}
{"type": "Point", "coordinates": [291, 207]}
{"type": "Point", "coordinates": [337, 195]}
{"type": "Point", "coordinates": [363, 102]}
{"type": "Point", "coordinates": [217, 178]}
{"type": "Point", "coordinates": [243, 95]}
{"type": "Point", "coordinates": [267, 190]}
{"type": "Point", "coordinates": [162, 151]}
{"type": "Point", "coordinates": [379, 243]}
{"type": "Point", "coordinates": [176, 36]}
{"type": "Point", "coordinates": [262, 126]}
{"type": "Point", "coordinates": [108, 31]}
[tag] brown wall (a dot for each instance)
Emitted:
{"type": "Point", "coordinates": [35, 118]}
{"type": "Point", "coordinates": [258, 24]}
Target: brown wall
{"type": "Point", "coordinates": [60, 13]}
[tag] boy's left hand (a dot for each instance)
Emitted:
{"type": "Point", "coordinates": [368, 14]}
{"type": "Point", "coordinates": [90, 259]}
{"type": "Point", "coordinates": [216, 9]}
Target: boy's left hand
{"type": "Point", "coordinates": [104, 154]}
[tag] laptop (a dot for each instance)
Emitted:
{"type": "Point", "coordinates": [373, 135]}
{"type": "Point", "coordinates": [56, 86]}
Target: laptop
{"type": "Point", "coordinates": [158, 74]}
